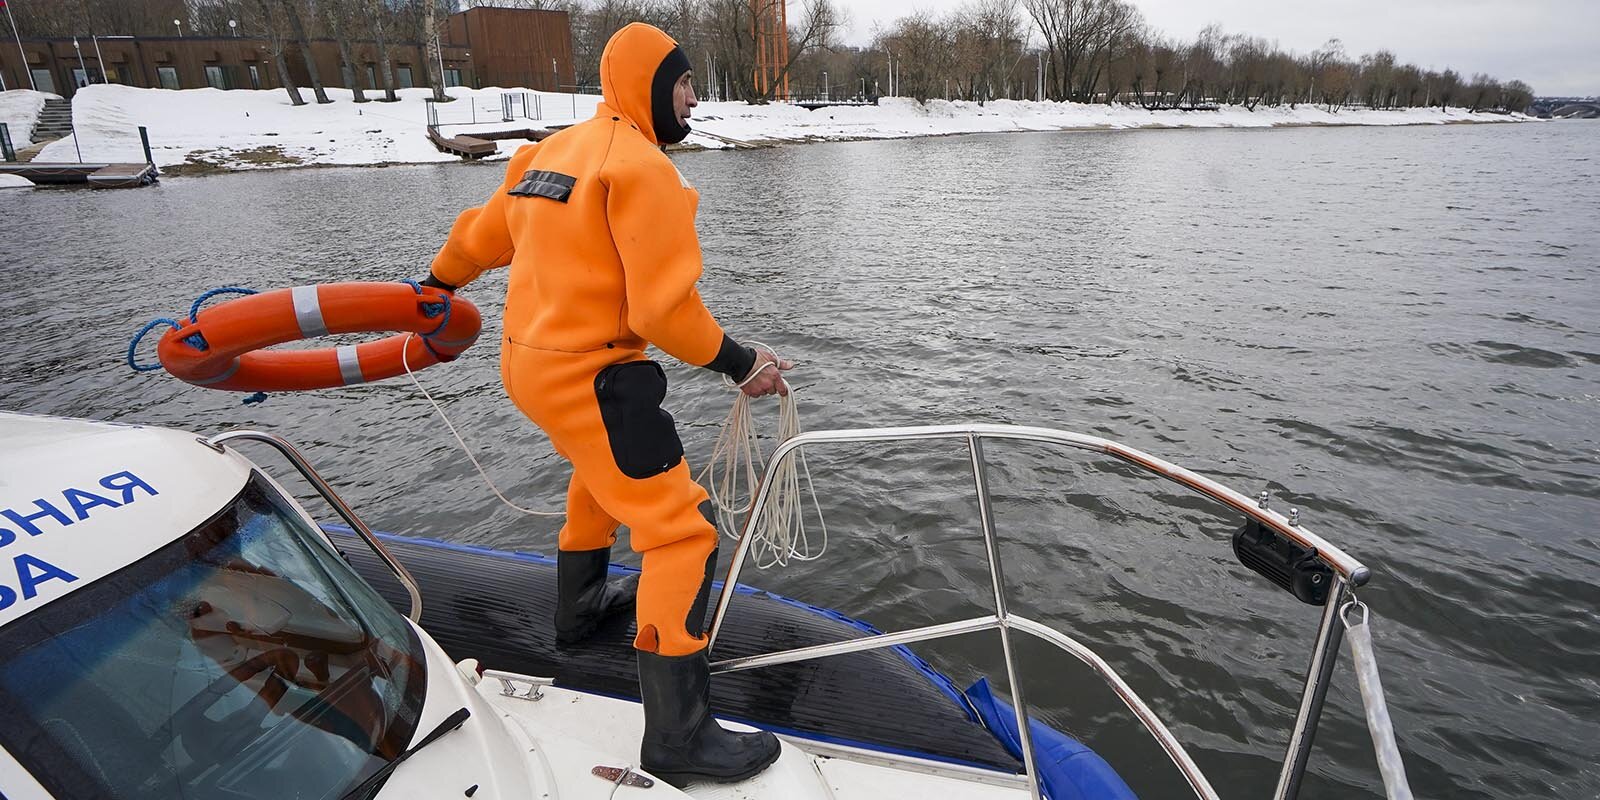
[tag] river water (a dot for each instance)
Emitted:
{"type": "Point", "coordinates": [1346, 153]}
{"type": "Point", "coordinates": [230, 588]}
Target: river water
{"type": "Point", "coordinates": [1394, 330]}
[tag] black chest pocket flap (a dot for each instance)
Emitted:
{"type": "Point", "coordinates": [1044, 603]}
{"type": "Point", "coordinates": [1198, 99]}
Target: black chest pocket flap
{"type": "Point", "coordinates": [544, 183]}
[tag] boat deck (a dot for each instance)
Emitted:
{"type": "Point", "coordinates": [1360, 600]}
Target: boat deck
{"type": "Point", "coordinates": [497, 607]}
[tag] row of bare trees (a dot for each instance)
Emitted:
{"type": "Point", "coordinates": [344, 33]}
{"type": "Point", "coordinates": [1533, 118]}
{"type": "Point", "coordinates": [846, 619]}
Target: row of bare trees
{"type": "Point", "coordinates": [1104, 51]}
{"type": "Point", "coordinates": [280, 23]}
{"type": "Point", "coordinates": [718, 35]}
{"type": "Point", "coordinates": [1078, 50]}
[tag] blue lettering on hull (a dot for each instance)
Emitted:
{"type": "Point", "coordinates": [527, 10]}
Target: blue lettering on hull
{"type": "Point", "coordinates": [79, 502]}
{"type": "Point", "coordinates": [43, 515]}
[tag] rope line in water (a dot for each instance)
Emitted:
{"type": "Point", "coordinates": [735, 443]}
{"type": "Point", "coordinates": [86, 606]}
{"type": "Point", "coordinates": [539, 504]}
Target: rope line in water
{"type": "Point", "coordinates": [405, 361]}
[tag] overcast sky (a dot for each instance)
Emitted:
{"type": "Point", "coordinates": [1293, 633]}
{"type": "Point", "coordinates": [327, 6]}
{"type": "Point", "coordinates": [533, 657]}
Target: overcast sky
{"type": "Point", "coordinates": [1553, 45]}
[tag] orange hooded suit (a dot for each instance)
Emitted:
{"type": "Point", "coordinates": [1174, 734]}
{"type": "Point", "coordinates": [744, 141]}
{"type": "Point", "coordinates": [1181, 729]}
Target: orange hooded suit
{"type": "Point", "coordinates": [597, 226]}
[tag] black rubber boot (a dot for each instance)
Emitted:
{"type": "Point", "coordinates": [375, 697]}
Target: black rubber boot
{"type": "Point", "coordinates": [682, 743]}
{"type": "Point", "coordinates": [584, 598]}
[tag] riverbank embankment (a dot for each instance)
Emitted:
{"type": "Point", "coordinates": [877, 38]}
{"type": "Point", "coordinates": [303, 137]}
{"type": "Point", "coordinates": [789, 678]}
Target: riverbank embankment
{"type": "Point", "coordinates": [200, 130]}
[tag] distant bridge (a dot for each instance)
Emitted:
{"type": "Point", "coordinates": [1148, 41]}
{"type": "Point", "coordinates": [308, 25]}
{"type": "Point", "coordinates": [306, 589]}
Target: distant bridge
{"type": "Point", "coordinates": [1565, 109]}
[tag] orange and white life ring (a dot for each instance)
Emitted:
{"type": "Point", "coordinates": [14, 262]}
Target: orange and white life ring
{"type": "Point", "coordinates": [223, 346]}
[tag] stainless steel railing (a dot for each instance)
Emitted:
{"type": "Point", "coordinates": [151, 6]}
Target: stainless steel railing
{"type": "Point", "coordinates": [1348, 572]}
{"type": "Point", "coordinates": [300, 463]}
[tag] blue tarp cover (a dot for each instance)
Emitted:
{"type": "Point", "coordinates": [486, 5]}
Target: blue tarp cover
{"type": "Point", "coordinates": [1068, 769]}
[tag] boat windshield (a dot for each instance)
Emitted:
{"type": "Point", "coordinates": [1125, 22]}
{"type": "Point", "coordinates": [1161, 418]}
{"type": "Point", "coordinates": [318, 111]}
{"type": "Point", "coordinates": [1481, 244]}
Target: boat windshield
{"type": "Point", "coordinates": [245, 660]}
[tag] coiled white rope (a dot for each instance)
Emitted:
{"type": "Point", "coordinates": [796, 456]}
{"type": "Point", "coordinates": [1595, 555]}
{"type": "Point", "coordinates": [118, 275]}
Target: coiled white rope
{"type": "Point", "coordinates": [1390, 766]}
{"type": "Point", "coordinates": [735, 470]}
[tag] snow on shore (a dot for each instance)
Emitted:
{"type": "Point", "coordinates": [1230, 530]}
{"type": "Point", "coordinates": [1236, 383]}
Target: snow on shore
{"type": "Point", "coordinates": [19, 110]}
{"type": "Point", "coordinates": [902, 117]}
{"type": "Point", "coordinates": [243, 129]}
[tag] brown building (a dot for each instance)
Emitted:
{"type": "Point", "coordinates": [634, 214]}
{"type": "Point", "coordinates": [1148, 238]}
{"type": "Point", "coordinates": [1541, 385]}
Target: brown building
{"type": "Point", "coordinates": [479, 47]}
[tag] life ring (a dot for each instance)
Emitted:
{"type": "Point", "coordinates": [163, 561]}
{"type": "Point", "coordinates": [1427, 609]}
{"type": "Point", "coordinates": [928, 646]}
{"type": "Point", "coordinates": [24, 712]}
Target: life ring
{"type": "Point", "coordinates": [222, 347]}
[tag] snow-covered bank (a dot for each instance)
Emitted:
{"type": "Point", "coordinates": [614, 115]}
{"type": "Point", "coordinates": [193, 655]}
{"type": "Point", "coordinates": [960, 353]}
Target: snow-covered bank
{"type": "Point", "coordinates": [19, 110]}
{"type": "Point", "coordinates": [242, 129]}
{"type": "Point", "coordinates": [902, 117]}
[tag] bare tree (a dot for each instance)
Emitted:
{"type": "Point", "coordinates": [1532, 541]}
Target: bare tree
{"type": "Point", "coordinates": [921, 46]}
{"type": "Point", "coordinates": [340, 16]}
{"type": "Point", "coordinates": [377, 11]}
{"type": "Point", "coordinates": [430, 35]}
{"type": "Point", "coordinates": [593, 24]}
{"type": "Point", "coordinates": [1516, 96]}
{"type": "Point", "coordinates": [1484, 92]}
{"type": "Point", "coordinates": [731, 30]}
{"type": "Point", "coordinates": [1449, 88]}
{"type": "Point", "coordinates": [268, 17]}
{"type": "Point", "coordinates": [292, 14]}
{"type": "Point", "coordinates": [986, 40]}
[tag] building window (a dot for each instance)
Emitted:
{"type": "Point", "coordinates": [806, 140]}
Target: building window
{"type": "Point", "coordinates": [402, 78]}
{"type": "Point", "coordinates": [372, 77]}
{"type": "Point", "coordinates": [255, 77]}
{"type": "Point", "coordinates": [80, 78]}
{"type": "Point", "coordinates": [167, 77]}
{"type": "Point", "coordinates": [44, 81]}
{"type": "Point", "coordinates": [452, 77]}
{"type": "Point", "coordinates": [215, 78]}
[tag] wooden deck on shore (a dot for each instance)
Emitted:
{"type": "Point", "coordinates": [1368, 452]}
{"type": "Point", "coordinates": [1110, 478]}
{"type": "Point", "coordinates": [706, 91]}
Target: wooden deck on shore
{"type": "Point", "coordinates": [479, 144]}
{"type": "Point", "coordinates": [98, 175]}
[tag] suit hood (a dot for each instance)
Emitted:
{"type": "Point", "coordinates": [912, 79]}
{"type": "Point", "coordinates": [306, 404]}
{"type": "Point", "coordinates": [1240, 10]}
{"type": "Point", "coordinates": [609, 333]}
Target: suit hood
{"type": "Point", "coordinates": [638, 69]}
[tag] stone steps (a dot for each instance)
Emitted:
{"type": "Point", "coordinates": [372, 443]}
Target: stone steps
{"type": "Point", "coordinates": [55, 121]}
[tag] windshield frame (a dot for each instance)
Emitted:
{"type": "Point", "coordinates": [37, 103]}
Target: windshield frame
{"type": "Point", "coordinates": [59, 770]}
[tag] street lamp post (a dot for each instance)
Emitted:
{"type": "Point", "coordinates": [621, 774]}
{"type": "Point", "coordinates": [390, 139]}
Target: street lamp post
{"type": "Point", "coordinates": [233, 25]}
{"type": "Point", "coordinates": [20, 51]}
{"type": "Point", "coordinates": [82, 67]}
{"type": "Point", "coordinates": [95, 37]}
{"type": "Point", "coordinates": [179, 23]}
{"type": "Point", "coordinates": [827, 95]}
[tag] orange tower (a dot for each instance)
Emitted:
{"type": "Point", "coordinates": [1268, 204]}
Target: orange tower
{"type": "Point", "coordinates": [772, 46]}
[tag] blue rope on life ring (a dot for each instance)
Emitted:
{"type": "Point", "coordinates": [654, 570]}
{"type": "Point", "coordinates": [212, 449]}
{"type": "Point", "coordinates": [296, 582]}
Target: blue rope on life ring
{"type": "Point", "coordinates": [431, 310]}
{"type": "Point", "coordinates": [194, 310]}
{"type": "Point", "coordinates": [134, 343]}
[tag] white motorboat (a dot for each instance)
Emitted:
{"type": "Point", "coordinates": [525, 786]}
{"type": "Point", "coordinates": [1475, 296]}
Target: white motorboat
{"type": "Point", "coordinates": [174, 624]}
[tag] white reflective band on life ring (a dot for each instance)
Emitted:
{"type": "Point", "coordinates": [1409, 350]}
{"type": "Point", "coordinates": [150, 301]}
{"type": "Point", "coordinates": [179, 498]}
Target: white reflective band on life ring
{"type": "Point", "coordinates": [308, 312]}
{"type": "Point", "coordinates": [349, 364]}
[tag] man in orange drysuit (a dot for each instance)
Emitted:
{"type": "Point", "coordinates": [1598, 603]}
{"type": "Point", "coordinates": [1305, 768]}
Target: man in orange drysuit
{"type": "Point", "coordinates": [598, 228]}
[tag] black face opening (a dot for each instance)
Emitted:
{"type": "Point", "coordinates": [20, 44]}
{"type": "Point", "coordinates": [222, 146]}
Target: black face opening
{"type": "Point", "coordinates": [663, 116]}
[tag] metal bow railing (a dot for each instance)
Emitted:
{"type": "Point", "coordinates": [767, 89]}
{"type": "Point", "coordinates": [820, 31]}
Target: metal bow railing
{"type": "Point", "coordinates": [1347, 573]}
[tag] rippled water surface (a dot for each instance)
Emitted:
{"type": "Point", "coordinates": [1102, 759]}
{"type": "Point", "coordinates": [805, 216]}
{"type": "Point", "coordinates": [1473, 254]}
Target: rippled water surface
{"type": "Point", "coordinates": [1397, 331]}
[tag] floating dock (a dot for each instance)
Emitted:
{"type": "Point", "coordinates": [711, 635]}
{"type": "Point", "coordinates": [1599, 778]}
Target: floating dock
{"type": "Point", "coordinates": [478, 144]}
{"type": "Point", "coordinates": [98, 175]}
